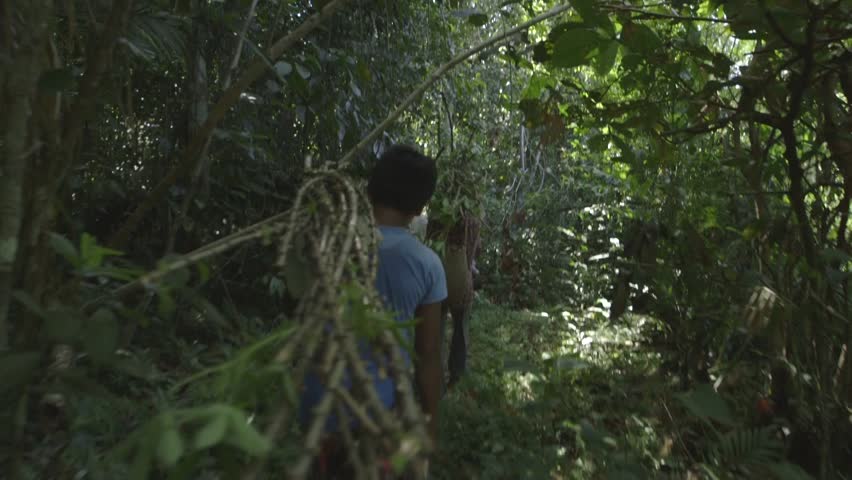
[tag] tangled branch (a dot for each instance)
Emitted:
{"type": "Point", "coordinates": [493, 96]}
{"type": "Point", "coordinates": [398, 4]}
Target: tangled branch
{"type": "Point", "coordinates": [330, 232]}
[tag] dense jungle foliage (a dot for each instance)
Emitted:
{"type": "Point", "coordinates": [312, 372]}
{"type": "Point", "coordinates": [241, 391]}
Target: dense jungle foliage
{"type": "Point", "coordinates": [665, 192]}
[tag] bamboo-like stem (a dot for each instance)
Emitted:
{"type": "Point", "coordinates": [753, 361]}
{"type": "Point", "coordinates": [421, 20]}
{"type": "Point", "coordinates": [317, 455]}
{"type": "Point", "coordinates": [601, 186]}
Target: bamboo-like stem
{"type": "Point", "coordinates": [357, 410]}
{"type": "Point", "coordinates": [321, 414]}
{"type": "Point", "coordinates": [351, 447]}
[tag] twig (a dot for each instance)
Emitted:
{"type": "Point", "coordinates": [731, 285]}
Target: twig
{"type": "Point", "coordinates": [624, 8]}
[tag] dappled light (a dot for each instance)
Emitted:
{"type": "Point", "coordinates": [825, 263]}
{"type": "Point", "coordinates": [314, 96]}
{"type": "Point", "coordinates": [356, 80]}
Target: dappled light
{"type": "Point", "coordinates": [448, 239]}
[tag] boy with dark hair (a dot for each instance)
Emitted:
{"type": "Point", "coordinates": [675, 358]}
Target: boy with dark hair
{"type": "Point", "coordinates": [410, 276]}
{"type": "Point", "coordinates": [410, 279]}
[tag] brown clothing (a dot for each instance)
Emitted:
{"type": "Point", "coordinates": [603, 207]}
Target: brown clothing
{"type": "Point", "coordinates": [464, 232]}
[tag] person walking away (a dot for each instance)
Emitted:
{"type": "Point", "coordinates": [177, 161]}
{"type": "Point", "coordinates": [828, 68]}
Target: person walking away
{"type": "Point", "coordinates": [461, 246]}
{"type": "Point", "coordinates": [411, 283]}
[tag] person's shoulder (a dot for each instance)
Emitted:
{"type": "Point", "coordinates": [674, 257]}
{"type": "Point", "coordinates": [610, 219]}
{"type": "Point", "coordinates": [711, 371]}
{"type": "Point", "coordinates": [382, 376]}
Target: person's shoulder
{"type": "Point", "coordinates": [421, 253]}
{"type": "Point", "coordinates": [422, 250]}
{"type": "Point", "coordinates": [430, 255]}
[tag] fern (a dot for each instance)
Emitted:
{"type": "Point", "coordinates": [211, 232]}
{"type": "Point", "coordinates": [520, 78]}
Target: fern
{"type": "Point", "coordinates": [157, 35]}
{"type": "Point", "coordinates": [749, 448]}
{"type": "Point", "coordinates": [151, 34]}
{"type": "Point", "coordinates": [756, 453]}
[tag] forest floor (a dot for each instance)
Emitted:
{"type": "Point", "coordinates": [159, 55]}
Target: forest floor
{"type": "Point", "coordinates": [554, 394]}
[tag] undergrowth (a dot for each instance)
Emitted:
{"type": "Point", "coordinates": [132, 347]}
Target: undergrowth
{"type": "Point", "coordinates": [569, 395]}
{"type": "Point", "coordinates": [552, 394]}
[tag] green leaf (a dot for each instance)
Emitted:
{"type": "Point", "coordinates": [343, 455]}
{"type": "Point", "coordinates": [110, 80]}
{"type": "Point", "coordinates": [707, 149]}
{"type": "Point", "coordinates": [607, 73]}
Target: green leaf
{"type": "Point", "coordinates": [212, 433]}
{"type": "Point", "coordinates": [363, 72]}
{"type": "Point", "coordinates": [17, 368]}
{"type": "Point", "coordinates": [538, 84]}
{"type": "Point", "coordinates": [574, 48]}
{"type": "Point", "coordinates": [211, 313]}
{"type": "Point", "coordinates": [477, 19]}
{"type": "Point", "coordinates": [749, 447]}
{"type": "Point", "coordinates": [57, 80]}
{"type": "Point", "coordinates": [791, 21]}
{"type": "Point", "coordinates": [641, 38]}
{"type": "Point", "coordinates": [101, 336]}
{"type": "Point", "coordinates": [569, 363]}
{"type": "Point", "coordinates": [595, 438]}
{"type": "Point", "coordinates": [170, 448]}
{"type": "Point", "coordinates": [141, 466]}
{"type": "Point", "coordinates": [788, 471]}
{"type": "Point", "coordinates": [26, 300]}
{"type": "Point", "coordinates": [76, 381]}
{"type": "Point", "coordinates": [64, 247]}
{"type": "Point", "coordinates": [598, 143]}
{"type": "Point", "coordinates": [561, 28]}
{"type": "Point", "coordinates": [746, 18]}
{"type": "Point", "coordinates": [134, 367]}
{"type": "Point", "coordinates": [165, 302]}
{"type": "Point", "coordinates": [178, 278]}
{"type": "Point", "coordinates": [62, 325]}
{"type": "Point", "coordinates": [298, 272]}
{"type": "Point", "coordinates": [283, 68]}
{"type": "Point", "coordinates": [834, 255]}
{"type": "Point", "coordinates": [203, 272]}
{"type": "Point", "coordinates": [92, 254]}
{"type": "Point", "coordinates": [592, 15]}
{"type": "Point", "coordinates": [722, 65]}
{"type": "Point", "coordinates": [705, 403]}
{"type": "Point", "coordinates": [605, 59]}
{"type": "Point", "coordinates": [519, 365]}
{"type": "Point", "coordinates": [586, 8]}
{"type": "Point", "coordinates": [245, 437]}
{"type": "Point", "coordinates": [303, 71]}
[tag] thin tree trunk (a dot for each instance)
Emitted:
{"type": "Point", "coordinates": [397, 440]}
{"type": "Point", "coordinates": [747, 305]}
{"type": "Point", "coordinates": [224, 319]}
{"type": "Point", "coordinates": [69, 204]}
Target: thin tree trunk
{"type": "Point", "coordinates": [17, 93]}
{"type": "Point", "coordinates": [235, 62]}
{"type": "Point", "coordinates": [197, 112]}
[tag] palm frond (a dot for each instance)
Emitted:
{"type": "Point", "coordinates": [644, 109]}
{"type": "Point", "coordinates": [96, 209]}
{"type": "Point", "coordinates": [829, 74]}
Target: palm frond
{"type": "Point", "coordinates": [756, 452]}
{"type": "Point", "coordinates": [157, 35]}
{"type": "Point", "coordinates": [749, 448]}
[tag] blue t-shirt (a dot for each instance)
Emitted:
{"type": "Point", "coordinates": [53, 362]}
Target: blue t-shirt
{"type": "Point", "coordinates": [409, 275]}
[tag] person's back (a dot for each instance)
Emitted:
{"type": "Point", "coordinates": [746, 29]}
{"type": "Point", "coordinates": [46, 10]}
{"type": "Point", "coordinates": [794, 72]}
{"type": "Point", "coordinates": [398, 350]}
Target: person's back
{"type": "Point", "coordinates": [410, 280]}
{"type": "Point", "coordinates": [409, 273]}
{"type": "Point", "coordinates": [461, 246]}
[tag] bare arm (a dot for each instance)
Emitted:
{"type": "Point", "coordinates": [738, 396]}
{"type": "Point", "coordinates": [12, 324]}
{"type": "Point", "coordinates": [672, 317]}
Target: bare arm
{"type": "Point", "coordinates": [427, 345]}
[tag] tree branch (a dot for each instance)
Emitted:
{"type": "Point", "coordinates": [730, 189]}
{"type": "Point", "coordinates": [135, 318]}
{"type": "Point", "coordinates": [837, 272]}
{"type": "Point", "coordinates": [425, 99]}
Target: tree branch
{"type": "Point", "coordinates": [191, 154]}
{"type": "Point", "coordinates": [437, 74]}
{"type": "Point", "coordinates": [239, 50]}
{"type": "Point", "coordinates": [97, 62]}
{"type": "Point", "coordinates": [667, 16]}
{"type": "Point", "coordinates": [798, 85]}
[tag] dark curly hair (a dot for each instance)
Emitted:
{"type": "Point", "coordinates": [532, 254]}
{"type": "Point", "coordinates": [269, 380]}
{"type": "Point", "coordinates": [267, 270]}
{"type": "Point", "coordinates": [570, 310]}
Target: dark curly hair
{"type": "Point", "coordinates": [403, 179]}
